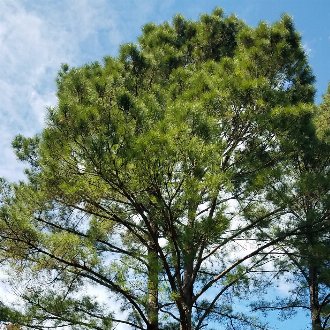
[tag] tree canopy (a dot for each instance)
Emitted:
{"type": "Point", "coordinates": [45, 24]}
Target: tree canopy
{"type": "Point", "coordinates": [155, 166]}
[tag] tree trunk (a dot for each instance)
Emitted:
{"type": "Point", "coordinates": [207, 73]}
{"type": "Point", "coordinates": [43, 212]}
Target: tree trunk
{"type": "Point", "coordinates": [185, 319]}
{"type": "Point", "coordinates": [314, 298]}
{"type": "Point", "coordinates": [153, 283]}
{"type": "Point", "coordinates": [189, 255]}
{"type": "Point", "coordinates": [187, 288]}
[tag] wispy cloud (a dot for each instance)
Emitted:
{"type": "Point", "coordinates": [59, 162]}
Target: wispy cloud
{"type": "Point", "coordinates": [284, 287]}
{"type": "Point", "coordinates": [35, 38]}
{"type": "Point", "coordinates": [307, 49]}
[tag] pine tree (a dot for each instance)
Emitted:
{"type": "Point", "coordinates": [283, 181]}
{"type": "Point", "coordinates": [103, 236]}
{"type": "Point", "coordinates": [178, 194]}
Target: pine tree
{"type": "Point", "coordinates": [303, 191]}
{"type": "Point", "coordinates": [131, 182]}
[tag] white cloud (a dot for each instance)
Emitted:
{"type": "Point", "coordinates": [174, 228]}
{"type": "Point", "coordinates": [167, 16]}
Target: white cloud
{"type": "Point", "coordinates": [35, 38]}
{"type": "Point", "coordinates": [308, 50]}
{"type": "Point", "coordinates": [284, 287]}
{"type": "Point", "coordinates": [6, 291]}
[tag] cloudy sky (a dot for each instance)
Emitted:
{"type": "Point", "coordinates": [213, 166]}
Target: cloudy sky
{"type": "Point", "coordinates": [36, 36]}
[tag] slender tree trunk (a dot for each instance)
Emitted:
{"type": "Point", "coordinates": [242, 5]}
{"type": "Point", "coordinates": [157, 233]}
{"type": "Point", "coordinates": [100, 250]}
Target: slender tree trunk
{"type": "Point", "coordinates": [153, 283]}
{"type": "Point", "coordinates": [188, 270]}
{"type": "Point", "coordinates": [187, 289]}
{"type": "Point", "coordinates": [314, 298]}
{"type": "Point", "coordinates": [185, 319]}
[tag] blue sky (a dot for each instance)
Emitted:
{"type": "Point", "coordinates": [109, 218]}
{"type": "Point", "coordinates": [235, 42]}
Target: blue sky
{"type": "Point", "coordinates": [36, 36]}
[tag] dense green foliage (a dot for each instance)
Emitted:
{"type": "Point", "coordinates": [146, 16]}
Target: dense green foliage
{"type": "Point", "coordinates": [155, 165]}
{"type": "Point", "coordinates": [304, 192]}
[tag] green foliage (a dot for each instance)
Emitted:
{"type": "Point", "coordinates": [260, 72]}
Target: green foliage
{"type": "Point", "coordinates": [79, 313]}
{"type": "Point", "coordinates": [157, 144]}
{"type": "Point", "coordinates": [322, 118]}
{"type": "Point", "coordinates": [302, 190]}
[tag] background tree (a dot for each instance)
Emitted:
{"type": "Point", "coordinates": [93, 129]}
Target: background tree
{"type": "Point", "coordinates": [304, 192]}
{"type": "Point", "coordinates": [322, 118]}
